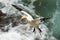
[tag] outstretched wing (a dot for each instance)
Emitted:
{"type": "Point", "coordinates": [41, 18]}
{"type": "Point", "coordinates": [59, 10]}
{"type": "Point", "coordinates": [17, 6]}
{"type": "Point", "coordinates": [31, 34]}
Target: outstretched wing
{"type": "Point", "coordinates": [17, 7]}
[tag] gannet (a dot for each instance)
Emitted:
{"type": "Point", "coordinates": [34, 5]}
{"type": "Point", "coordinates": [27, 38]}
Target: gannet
{"type": "Point", "coordinates": [34, 23]}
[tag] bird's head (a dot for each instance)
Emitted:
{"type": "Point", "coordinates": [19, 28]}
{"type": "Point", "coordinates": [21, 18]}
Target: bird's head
{"type": "Point", "coordinates": [24, 17]}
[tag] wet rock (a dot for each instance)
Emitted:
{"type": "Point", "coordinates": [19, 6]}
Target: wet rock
{"type": "Point", "coordinates": [2, 15]}
{"type": "Point", "coordinates": [6, 20]}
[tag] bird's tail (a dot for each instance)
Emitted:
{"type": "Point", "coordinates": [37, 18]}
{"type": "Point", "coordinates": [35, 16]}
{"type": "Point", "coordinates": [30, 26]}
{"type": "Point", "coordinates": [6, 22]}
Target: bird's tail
{"type": "Point", "coordinates": [44, 19]}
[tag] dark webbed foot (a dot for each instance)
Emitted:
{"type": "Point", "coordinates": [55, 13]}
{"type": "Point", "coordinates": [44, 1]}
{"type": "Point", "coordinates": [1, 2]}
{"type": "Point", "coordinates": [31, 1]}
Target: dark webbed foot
{"type": "Point", "coordinates": [34, 30]}
{"type": "Point", "coordinates": [40, 30]}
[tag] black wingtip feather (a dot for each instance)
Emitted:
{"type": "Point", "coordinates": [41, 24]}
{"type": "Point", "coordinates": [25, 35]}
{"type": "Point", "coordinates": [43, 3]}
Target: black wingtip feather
{"type": "Point", "coordinates": [43, 19]}
{"type": "Point", "coordinates": [17, 7]}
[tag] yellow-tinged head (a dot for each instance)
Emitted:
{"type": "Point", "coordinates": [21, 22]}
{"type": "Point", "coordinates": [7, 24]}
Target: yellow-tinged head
{"type": "Point", "coordinates": [24, 17]}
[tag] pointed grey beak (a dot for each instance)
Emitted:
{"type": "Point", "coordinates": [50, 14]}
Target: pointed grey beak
{"type": "Point", "coordinates": [17, 7]}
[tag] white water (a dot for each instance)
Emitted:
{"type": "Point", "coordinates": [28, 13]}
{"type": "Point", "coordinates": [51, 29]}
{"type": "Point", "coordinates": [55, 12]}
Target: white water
{"type": "Point", "coordinates": [22, 32]}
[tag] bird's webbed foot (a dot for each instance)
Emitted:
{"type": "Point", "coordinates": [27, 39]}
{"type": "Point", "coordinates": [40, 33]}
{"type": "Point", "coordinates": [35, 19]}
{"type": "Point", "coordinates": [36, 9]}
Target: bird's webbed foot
{"type": "Point", "coordinates": [34, 30]}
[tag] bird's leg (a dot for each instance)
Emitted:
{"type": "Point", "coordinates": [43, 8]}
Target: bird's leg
{"type": "Point", "coordinates": [39, 29]}
{"type": "Point", "coordinates": [34, 30]}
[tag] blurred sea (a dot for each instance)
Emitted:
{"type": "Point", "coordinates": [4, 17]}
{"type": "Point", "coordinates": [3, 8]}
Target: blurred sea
{"type": "Point", "coordinates": [44, 8]}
